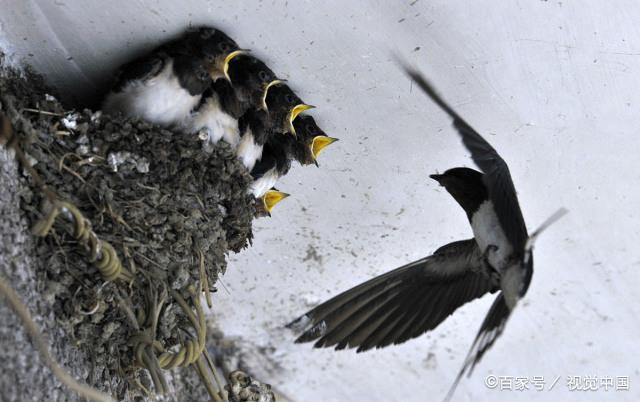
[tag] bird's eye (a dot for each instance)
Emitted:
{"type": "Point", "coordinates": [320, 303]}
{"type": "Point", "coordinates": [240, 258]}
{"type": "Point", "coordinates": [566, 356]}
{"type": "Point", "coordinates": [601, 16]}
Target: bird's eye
{"type": "Point", "coordinates": [309, 128]}
{"type": "Point", "coordinates": [263, 76]}
{"type": "Point", "coordinates": [224, 46]}
{"type": "Point", "coordinates": [288, 98]}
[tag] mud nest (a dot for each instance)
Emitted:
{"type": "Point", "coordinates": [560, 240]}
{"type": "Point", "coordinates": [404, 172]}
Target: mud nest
{"type": "Point", "coordinates": [169, 207]}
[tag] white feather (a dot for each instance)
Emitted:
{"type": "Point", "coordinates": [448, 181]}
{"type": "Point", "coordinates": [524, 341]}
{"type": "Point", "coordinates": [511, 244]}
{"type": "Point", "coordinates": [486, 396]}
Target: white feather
{"type": "Point", "coordinates": [212, 119]}
{"type": "Point", "coordinates": [260, 186]}
{"type": "Point", "coordinates": [160, 100]}
{"type": "Point", "coordinates": [487, 231]}
{"type": "Point", "coordinates": [249, 151]}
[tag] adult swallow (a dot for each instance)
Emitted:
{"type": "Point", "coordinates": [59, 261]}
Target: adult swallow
{"type": "Point", "coordinates": [164, 86]}
{"type": "Point", "coordinates": [266, 203]}
{"type": "Point", "coordinates": [257, 125]}
{"type": "Point", "coordinates": [226, 101]}
{"type": "Point", "coordinates": [411, 300]}
{"type": "Point", "coordinates": [311, 140]}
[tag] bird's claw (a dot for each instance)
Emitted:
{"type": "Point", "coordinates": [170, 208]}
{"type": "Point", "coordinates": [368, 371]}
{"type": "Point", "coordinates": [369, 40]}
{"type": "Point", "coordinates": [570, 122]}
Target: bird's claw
{"type": "Point", "coordinates": [491, 248]}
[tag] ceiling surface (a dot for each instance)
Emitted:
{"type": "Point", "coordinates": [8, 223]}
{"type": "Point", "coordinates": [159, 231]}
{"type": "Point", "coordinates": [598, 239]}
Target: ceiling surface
{"type": "Point", "coordinates": [553, 85]}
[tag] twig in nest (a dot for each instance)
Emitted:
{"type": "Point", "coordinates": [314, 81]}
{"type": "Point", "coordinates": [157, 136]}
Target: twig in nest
{"type": "Point", "coordinates": [101, 253]}
{"type": "Point", "coordinates": [201, 369]}
{"type": "Point", "coordinates": [44, 112]}
{"type": "Point", "coordinates": [117, 217]}
{"type": "Point", "coordinates": [34, 333]}
{"type": "Point", "coordinates": [204, 280]}
{"type": "Point", "coordinates": [8, 138]}
{"type": "Point", "coordinates": [214, 370]}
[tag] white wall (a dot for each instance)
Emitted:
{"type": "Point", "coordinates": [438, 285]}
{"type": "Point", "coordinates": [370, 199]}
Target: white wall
{"type": "Point", "coordinates": [552, 84]}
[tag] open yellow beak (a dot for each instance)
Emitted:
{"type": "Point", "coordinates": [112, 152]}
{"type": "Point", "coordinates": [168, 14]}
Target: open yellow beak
{"type": "Point", "coordinates": [227, 60]}
{"type": "Point", "coordinates": [266, 91]}
{"type": "Point", "coordinates": [295, 111]}
{"type": "Point", "coordinates": [319, 143]}
{"type": "Point", "coordinates": [272, 198]}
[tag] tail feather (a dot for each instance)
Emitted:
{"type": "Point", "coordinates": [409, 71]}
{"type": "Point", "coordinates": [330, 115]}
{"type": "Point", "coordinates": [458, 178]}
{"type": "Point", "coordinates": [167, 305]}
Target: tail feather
{"type": "Point", "coordinates": [490, 330]}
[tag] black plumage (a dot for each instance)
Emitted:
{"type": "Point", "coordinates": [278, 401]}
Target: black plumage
{"type": "Point", "coordinates": [250, 78]}
{"type": "Point", "coordinates": [164, 85]}
{"type": "Point", "coordinates": [413, 299]}
{"type": "Point", "coordinates": [257, 125]}
{"type": "Point", "coordinates": [226, 101]}
{"type": "Point", "coordinates": [284, 107]}
{"type": "Point", "coordinates": [310, 140]}
{"type": "Point", "coordinates": [401, 304]}
{"type": "Point", "coordinates": [274, 163]}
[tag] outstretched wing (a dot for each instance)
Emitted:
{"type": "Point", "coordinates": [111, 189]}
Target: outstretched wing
{"type": "Point", "coordinates": [401, 304]}
{"type": "Point", "coordinates": [497, 177]}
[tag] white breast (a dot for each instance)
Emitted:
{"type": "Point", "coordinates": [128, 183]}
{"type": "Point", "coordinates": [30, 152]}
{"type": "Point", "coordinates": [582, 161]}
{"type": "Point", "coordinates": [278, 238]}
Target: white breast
{"type": "Point", "coordinates": [487, 231]}
{"type": "Point", "coordinates": [263, 184]}
{"type": "Point", "coordinates": [248, 151]}
{"type": "Point", "coordinates": [160, 100]}
{"type": "Point", "coordinates": [219, 125]}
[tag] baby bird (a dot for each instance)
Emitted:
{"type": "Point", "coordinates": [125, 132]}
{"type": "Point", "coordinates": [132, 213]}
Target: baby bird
{"type": "Point", "coordinates": [311, 140]}
{"type": "Point", "coordinates": [226, 101]}
{"type": "Point", "coordinates": [257, 125]}
{"type": "Point", "coordinates": [163, 86]}
{"type": "Point", "coordinates": [266, 203]}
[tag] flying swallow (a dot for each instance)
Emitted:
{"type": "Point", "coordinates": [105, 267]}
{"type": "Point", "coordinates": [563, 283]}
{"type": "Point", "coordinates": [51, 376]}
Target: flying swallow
{"type": "Point", "coordinates": [411, 300]}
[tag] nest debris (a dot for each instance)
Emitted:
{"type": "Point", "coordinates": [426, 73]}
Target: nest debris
{"type": "Point", "coordinates": [171, 210]}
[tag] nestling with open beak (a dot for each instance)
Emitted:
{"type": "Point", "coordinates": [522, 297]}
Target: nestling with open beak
{"type": "Point", "coordinates": [163, 86]}
{"type": "Point", "coordinates": [227, 100]}
{"type": "Point", "coordinates": [280, 150]}
{"type": "Point", "coordinates": [266, 203]}
{"type": "Point", "coordinates": [257, 125]}
{"type": "Point", "coordinates": [311, 140]}
{"type": "Point", "coordinates": [289, 107]}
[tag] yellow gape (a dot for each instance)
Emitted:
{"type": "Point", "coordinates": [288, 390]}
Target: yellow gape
{"type": "Point", "coordinates": [295, 111]}
{"type": "Point", "coordinates": [227, 60]}
{"type": "Point", "coordinates": [272, 198]}
{"type": "Point", "coordinates": [266, 91]}
{"type": "Point", "coordinates": [319, 143]}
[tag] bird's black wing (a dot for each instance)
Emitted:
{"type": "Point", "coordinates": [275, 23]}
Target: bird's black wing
{"type": "Point", "coordinates": [141, 69]}
{"type": "Point", "coordinates": [228, 99]}
{"type": "Point", "coordinates": [266, 163]}
{"type": "Point", "coordinates": [497, 177]}
{"type": "Point", "coordinates": [401, 304]}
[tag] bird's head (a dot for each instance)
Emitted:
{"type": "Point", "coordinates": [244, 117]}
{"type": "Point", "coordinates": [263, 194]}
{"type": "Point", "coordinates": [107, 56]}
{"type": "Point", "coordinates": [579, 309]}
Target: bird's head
{"type": "Point", "coordinates": [251, 78]}
{"type": "Point", "coordinates": [193, 73]}
{"type": "Point", "coordinates": [216, 48]}
{"type": "Point", "coordinates": [284, 106]}
{"type": "Point", "coordinates": [266, 203]}
{"type": "Point", "coordinates": [466, 186]}
{"type": "Point", "coordinates": [311, 140]}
